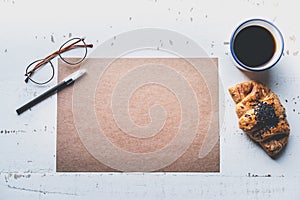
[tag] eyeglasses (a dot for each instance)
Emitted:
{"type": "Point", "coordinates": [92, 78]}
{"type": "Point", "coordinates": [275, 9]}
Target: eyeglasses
{"type": "Point", "coordinates": [42, 71]}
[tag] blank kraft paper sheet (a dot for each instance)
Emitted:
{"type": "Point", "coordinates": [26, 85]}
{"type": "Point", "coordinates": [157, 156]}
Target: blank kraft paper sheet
{"type": "Point", "coordinates": [140, 115]}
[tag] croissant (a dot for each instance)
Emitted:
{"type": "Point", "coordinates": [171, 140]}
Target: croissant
{"type": "Point", "coordinates": [261, 116]}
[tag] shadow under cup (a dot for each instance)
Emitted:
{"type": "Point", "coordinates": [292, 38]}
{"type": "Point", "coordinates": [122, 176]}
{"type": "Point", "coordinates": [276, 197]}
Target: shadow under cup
{"type": "Point", "coordinates": [256, 45]}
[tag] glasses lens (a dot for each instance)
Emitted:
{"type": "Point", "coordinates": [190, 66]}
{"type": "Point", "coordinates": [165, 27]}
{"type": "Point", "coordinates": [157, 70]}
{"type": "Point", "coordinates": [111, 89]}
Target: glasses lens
{"type": "Point", "coordinates": [43, 74]}
{"type": "Point", "coordinates": [73, 51]}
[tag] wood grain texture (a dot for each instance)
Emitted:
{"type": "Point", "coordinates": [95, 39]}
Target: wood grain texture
{"type": "Point", "coordinates": [33, 29]}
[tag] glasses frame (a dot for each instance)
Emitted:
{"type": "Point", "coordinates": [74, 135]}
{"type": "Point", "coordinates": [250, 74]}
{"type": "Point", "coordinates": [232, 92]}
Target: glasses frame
{"type": "Point", "coordinates": [41, 62]}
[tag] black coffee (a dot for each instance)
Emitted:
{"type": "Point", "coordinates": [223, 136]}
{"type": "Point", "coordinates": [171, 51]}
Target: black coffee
{"type": "Point", "coordinates": [254, 46]}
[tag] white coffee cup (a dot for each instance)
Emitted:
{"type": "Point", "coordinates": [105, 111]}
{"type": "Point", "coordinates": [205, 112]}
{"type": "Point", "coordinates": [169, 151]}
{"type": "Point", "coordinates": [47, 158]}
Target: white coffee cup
{"type": "Point", "coordinates": [255, 49]}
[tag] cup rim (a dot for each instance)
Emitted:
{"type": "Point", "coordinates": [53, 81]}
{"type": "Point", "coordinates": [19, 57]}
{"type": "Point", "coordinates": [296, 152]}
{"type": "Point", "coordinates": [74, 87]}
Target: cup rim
{"type": "Point", "coordinates": [237, 29]}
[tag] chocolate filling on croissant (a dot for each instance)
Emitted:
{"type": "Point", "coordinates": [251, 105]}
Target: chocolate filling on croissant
{"type": "Point", "coordinates": [261, 116]}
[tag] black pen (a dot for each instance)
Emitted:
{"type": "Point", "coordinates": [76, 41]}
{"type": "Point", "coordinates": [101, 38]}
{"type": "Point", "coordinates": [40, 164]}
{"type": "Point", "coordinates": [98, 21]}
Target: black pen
{"type": "Point", "coordinates": [63, 84]}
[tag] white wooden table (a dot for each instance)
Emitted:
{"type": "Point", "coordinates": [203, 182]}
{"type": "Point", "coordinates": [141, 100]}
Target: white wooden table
{"type": "Point", "coordinates": [32, 29]}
